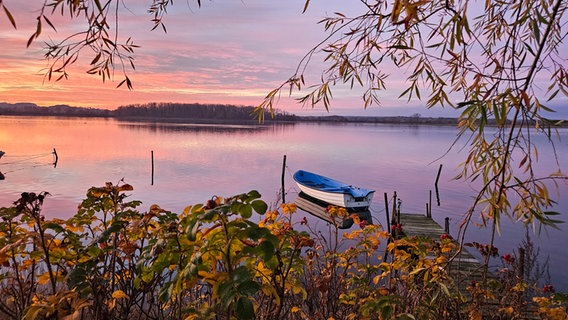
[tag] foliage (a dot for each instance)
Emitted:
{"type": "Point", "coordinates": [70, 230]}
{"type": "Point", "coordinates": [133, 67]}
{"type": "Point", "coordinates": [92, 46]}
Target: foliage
{"type": "Point", "coordinates": [498, 62]}
{"type": "Point", "coordinates": [219, 260]}
{"type": "Point", "coordinates": [99, 33]}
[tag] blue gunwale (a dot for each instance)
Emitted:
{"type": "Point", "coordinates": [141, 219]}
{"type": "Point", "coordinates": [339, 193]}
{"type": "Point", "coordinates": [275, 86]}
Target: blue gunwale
{"type": "Point", "coordinates": [319, 182]}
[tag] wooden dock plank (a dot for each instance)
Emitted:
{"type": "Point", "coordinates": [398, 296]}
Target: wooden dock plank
{"type": "Point", "coordinates": [464, 268]}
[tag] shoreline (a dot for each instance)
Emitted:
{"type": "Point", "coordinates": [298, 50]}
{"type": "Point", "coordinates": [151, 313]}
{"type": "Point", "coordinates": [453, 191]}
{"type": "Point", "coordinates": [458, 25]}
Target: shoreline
{"type": "Point", "coordinates": [395, 120]}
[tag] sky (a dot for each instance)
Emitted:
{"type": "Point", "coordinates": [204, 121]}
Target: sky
{"type": "Point", "coordinates": [226, 51]}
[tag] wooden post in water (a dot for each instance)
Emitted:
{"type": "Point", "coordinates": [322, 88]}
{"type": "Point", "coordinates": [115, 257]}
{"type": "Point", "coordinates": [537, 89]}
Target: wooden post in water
{"type": "Point", "coordinates": [395, 214]}
{"type": "Point", "coordinates": [152, 155]}
{"type": "Point", "coordinates": [436, 184]}
{"type": "Point", "coordinates": [447, 225]}
{"type": "Point", "coordinates": [56, 158]}
{"type": "Point", "coordinates": [429, 206]}
{"type": "Point", "coordinates": [387, 211]}
{"type": "Point", "coordinates": [283, 171]}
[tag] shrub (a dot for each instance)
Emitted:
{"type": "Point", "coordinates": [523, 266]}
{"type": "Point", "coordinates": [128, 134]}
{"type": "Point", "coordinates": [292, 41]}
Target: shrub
{"type": "Point", "coordinates": [218, 261]}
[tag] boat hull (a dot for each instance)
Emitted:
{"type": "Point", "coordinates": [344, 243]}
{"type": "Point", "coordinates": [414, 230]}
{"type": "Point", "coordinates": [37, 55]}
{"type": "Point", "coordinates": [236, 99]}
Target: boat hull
{"type": "Point", "coordinates": [332, 191]}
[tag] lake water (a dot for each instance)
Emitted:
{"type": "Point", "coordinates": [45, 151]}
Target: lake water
{"type": "Point", "coordinates": [192, 163]}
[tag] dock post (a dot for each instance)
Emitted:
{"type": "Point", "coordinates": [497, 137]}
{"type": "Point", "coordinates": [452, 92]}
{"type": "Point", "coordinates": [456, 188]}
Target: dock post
{"type": "Point", "coordinates": [387, 211]}
{"type": "Point", "coordinates": [429, 210]}
{"type": "Point", "coordinates": [56, 158]}
{"type": "Point", "coordinates": [283, 171]}
{"type": "Point", "coordinates": [436, 184]}
{"type": "Point", "coordinates": [395, 215]}
{"type": "Point", "coordinates": [447, 225]}
{"type": "Point", "coordinates": [152, 155]}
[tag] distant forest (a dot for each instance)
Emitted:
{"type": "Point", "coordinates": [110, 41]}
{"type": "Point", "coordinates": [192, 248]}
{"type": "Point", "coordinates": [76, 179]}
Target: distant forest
{"type": "Point", "coordinates": [31, 109]}
{"type": "Point", "coordinates": [196, 111]}
{"type": "Point", "coordinates": [217, 113]}
{"type": "Point", "coordinates": [182, 111]}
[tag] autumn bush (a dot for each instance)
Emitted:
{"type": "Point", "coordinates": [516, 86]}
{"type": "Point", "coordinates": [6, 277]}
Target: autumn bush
{"type": "Point", "coordinates": [221, 260]}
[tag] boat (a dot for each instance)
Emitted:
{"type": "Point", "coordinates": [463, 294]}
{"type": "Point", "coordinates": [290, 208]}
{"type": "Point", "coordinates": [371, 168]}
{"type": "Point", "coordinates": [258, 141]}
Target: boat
{"type": "Point", "coordinates": [332, 191]}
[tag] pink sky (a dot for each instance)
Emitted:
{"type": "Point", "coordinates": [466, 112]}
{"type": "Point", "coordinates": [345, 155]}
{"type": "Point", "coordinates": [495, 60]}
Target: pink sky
{"type": "Point", "coordinates": [227, 51]}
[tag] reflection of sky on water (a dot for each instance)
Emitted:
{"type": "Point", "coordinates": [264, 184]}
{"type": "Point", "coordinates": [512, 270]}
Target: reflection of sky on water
{"type": "Point", "coordinates": [193, 164]}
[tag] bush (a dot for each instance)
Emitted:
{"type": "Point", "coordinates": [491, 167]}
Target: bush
{"type": "Point", "coordinates": [213, 261]}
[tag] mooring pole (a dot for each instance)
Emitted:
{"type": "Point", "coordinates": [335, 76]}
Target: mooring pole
{"type": "Point", "coordinates": [56, 158]}
{"type": "Point", "coordinates": [436, 184]}
{"type": "Point", "coordinates": [429, 206]}
{"type": "Point", "coordinates": [283, 171]}
{"type": "Point", "coordinates": [395, 214]}
{"type": "Point", "coordinates": [387, 211]}
{"type": "Point", "coordinates": [152, 155]}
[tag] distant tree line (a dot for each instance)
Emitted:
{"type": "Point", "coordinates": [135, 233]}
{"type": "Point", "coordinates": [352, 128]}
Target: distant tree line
{"type": "Point", "coordinates": [220, 113]}
{"type": "Point", "coordinates": [31, 109]}
{"type": "Point", "coordinates": [194, 111]}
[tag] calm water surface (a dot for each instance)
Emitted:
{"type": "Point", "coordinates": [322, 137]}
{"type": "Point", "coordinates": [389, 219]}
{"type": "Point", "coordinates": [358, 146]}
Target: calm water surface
{"type": "Point", "coordinates": [195, 162]}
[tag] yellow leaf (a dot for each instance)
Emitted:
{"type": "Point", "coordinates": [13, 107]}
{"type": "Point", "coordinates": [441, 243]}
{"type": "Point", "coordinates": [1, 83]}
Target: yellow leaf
{"type": "Point", "coordinates": [43, 278]}
{"type": "Point", "coordinates": [295, 309]}
{"type": "Point", "coordinates": [508, 310]}
{"type": "Point", "coordinates": [396, 9]}
{"type": "Point", "coordinates": [125, 187]}
{"type": "Point", "coordinates": [73, 228]}
{"type": "Point", "coordinates": [441, 259]}
{"type": "Point", "coordinates": [356, 218]}
{"type": "Point", "coordinates": [288, 208]}
{"type": "Point", "coordinates": [119, 294]}
{"type": "Point", "coordinates": [27, 263]}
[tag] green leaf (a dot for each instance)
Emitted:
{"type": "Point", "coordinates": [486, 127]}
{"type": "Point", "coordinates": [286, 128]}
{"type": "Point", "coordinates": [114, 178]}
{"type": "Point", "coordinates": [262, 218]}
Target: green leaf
{"type": "Point", "coordinates": [248, 288]}
{"type": "Point", "coordinates": [240, 274]}
{"type": "Point", "coordinates": [192, 230]}
{"type": "Point", "coordinates": [445, 289]}
{"type": "Point", "coordinates": [54, 226]}
{"type": "Point", "coordinates": [259, 206]}
{"type": "Point", "coordinates": [94, 251]}
{"type": "Point", "coordinates": [252, 195]}
{"type": "Point", "coordinates": [114, 228]}
{"type": "Point", "coordinates": [244, 309]}
{"type": "Point", "coordinates": [466, 104]}
{"type": "Point", "coordinates": [226, 292]}
{"type": "Point", "coordinates": [245, 211]}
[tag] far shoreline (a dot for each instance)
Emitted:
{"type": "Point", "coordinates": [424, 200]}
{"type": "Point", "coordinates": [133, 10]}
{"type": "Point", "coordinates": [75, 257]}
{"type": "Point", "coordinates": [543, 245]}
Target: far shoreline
{"type": "Point", "coordinates": [199, 114]}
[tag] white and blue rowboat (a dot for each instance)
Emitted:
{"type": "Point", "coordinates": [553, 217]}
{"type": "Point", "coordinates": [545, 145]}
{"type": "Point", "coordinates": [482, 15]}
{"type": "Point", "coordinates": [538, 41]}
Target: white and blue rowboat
{"type": "Point", "coordinates": [332, 191]}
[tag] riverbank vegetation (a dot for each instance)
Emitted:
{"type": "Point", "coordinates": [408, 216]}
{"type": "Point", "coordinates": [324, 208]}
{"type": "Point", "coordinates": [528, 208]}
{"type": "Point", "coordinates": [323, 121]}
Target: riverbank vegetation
{"type": "Point", "coordinates": [214, 113]}
{"type": "Point", "coordinates": [180, 112]}
{"type": "Point", "coordinates": [236, 258]}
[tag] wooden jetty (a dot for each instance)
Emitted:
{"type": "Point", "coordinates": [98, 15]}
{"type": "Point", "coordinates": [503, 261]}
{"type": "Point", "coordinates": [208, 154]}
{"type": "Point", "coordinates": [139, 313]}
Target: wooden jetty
{"type": "Point", "coordinates": [464, 268]}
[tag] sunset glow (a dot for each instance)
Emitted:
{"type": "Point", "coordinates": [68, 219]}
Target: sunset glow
{"type": "Point", "coordinates": [230, 52]}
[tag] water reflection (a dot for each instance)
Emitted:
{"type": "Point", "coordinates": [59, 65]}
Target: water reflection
{"type": "Point", "coordinates": [195, 162]}
{"type": "Point", "coordinates": [221, 128]}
